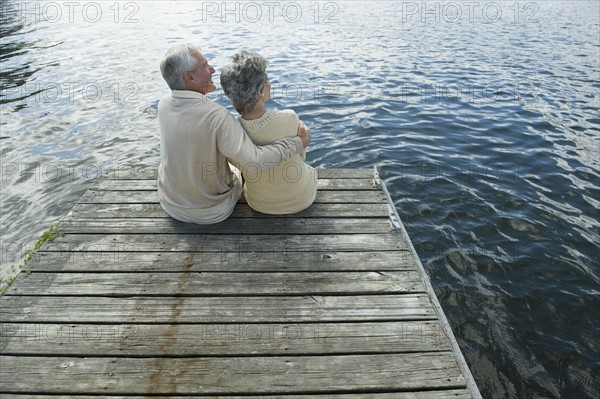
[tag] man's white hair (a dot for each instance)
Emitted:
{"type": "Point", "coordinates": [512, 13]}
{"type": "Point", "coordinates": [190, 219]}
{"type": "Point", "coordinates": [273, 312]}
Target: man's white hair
{"type": "Point", "coordinates": [177, 60]}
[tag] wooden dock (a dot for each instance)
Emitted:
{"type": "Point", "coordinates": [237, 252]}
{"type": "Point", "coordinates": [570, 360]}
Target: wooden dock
{"type": "Point", "coordinates": [331, 302]}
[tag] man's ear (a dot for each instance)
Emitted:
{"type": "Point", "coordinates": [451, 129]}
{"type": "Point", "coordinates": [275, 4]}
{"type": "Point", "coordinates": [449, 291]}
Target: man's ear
{"type": "Point", "coordinates": [188, 77]}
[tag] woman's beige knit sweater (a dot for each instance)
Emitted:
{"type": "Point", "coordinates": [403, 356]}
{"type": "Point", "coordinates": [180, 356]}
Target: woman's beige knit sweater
{"type": "Point", "coordinates": [288, 188]}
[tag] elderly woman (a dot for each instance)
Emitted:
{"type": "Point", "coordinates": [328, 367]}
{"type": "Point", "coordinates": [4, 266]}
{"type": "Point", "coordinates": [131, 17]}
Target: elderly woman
{"type": "Point", "coordinates": [290, 187]}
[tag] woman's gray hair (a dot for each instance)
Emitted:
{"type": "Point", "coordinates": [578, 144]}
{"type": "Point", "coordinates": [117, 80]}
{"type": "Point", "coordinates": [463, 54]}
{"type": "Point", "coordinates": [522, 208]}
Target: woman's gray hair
{"type": "Point", "coordinates": [178, 59]}
{"type": "Point", "coordinates": [243, 79]}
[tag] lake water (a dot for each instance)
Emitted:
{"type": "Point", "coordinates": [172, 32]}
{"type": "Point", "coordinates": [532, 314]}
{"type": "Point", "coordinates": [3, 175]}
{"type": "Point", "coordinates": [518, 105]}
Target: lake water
{"type": "Point", "coordinates": [482, 116]}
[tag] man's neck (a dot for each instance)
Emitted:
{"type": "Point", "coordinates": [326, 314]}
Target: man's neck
{"type": "Point", "coordinates": [187, 94]}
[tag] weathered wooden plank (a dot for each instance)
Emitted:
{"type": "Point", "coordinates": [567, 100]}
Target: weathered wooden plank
{"type": "Point", "coordinates": [217, 375]}
{"type": "Point", "coordinates": [133, 172]}
{"type": "Point", "coordinates": [366, 173]}
{"type": "Point", "coordinates": [323, 197]}
{"type": "Point", "coordinates": [111, 197]}
{"type": "Point", "coordinates": [156, 340]}
{"type": "Point", "coordinates": [285, 309]}
{"type": "Point", "coordinates": [250, 262]}
{"type": "Point", "coordinates": [218, 284]}
{"type": "Point", "coordinates": [438, 394]}
{"type": "Point", "coordinates": [154, 211]}
{"type": "Point", "coordinates": [151, 185]}
{"type": "Point", "coordinates": [226, 243]}
{"type": "Point", "coordinates": [228, 226]}
{"type": "Point", "coordinates": [242, 210]}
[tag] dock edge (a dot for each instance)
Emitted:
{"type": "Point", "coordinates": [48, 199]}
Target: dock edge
{"type": "Point", "coordinates": [397, 225]}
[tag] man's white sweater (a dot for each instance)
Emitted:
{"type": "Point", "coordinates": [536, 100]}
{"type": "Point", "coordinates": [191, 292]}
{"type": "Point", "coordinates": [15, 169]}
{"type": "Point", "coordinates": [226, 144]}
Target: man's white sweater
{"type": "Point", "coordinates": [197, 137]}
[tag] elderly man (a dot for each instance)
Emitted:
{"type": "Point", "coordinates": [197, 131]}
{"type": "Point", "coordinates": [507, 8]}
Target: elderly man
{"type": "Point", "coordinates": [197, 137]}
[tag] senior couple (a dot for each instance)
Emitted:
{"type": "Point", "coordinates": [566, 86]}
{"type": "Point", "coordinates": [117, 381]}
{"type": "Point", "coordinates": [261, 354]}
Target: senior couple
{"type": "Point", "coordinates": [200, 141]}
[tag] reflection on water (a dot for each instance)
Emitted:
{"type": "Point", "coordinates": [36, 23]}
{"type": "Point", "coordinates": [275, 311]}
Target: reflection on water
{"type": "Point", "coordinates": [13, 44]}
{"type": "Point", "coordinates": [485, 128]}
